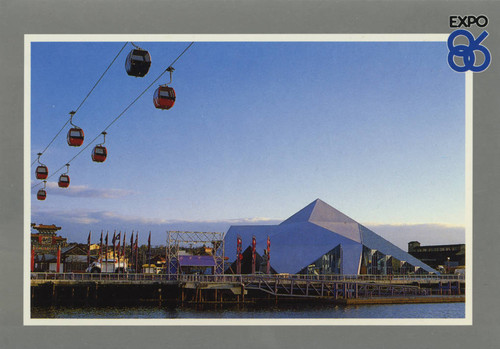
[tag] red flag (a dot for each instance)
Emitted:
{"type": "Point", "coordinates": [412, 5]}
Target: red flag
{"type": "Point", "coordinates": [239, 256]}
{"type": "Point", "coordinates": [254, 243]}
{"type": "Point", "coordinates": [58, 267]}
{"type": "Point", "coordinates": [32, 259]}
{"type": "Point", "coordinates": [268, 263]}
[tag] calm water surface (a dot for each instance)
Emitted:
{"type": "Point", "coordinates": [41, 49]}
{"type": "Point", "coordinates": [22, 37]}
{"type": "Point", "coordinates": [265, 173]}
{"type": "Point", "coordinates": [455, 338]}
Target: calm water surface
{"type": "Point", "coordinates": [435, 310]}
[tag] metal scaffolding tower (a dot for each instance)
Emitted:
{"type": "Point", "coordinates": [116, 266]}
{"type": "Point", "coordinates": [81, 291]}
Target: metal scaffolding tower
{"type": "Point", "coordinates": [177, 240]}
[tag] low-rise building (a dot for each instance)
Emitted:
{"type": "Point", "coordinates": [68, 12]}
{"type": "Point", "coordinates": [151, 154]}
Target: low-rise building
{"type": "Point", "coordinates": [444, 257]}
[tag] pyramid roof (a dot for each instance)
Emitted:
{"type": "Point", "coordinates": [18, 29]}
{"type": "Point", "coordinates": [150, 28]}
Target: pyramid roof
{"type": "Point", "coordinates": [313, 231]}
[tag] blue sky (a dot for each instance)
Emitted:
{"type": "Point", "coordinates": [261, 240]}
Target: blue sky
{"type": "Point", "coordinates": [258, 131]}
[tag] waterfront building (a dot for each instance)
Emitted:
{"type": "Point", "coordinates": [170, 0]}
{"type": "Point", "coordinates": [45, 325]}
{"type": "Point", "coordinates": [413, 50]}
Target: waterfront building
{"type": "Point", "coordinates": [73, 259]}
{"type": "Point", "coordinates": [319, 239]}
{"type": "Point", "coordinates": [443, 257]}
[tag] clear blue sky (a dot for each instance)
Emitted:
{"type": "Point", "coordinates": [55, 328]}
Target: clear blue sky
{"type": "Point", "coordinates": [259, 130]}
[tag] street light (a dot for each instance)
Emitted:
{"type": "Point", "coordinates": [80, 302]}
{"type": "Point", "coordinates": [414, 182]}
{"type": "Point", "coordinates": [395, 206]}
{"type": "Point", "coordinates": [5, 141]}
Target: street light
{"type": "Point", "coordinates": [448, 265]}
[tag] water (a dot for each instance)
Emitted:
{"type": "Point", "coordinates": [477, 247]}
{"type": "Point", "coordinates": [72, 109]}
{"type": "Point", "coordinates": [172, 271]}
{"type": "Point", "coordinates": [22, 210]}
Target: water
{"type": "Point", "coordinates": [281, 311]}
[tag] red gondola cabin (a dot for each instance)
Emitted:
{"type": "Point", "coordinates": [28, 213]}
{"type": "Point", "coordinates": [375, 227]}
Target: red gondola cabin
{"type": "Point", "coordinates": [63, 181]}
{"type": "Point", "coordinates": [41, 195]}
{"type": "Point", "coordinates": [164, 97]}
{"type": "Point", "coordinates": [75, 137]}
{"type": "Point", "coordinates": [42, 172]}
{"type": "Point", "coordinates": [99, 153]}
{"type": "Point", "coordinates": [138, 62]}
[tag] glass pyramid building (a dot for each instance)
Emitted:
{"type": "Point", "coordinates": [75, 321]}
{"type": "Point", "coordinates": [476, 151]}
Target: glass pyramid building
{"type": "Point", "coordinates": [322, 240]}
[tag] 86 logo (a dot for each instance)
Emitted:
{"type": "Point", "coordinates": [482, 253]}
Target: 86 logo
{"type": "Point", "coordinates": [468, 55]}
{"type": "Point", "coordinates": [467, 52]}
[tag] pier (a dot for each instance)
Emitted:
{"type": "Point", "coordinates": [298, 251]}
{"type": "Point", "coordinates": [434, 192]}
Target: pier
{"type": "Point", "coordinates": [342, 289]}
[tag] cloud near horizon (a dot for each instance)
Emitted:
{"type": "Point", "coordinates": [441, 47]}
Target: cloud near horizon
{"type": "Point", "coordinates": [83, 191]}
{"type": "Point", "coordinates": [76, 225]}
{"type": "Point", "coordinates": [88, 216]}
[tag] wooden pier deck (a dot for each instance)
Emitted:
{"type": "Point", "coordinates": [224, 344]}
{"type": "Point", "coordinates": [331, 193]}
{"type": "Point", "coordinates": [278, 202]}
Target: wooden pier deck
{"type": "Point", "coordinates": [362, 288]}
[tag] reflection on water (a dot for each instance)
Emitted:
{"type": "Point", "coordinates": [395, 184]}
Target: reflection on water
{"type": "Point", "coordinates": [281, 311]}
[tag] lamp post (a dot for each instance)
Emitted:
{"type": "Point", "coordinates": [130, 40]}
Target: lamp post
{"type": "Point", "coordinates": [447, 265]}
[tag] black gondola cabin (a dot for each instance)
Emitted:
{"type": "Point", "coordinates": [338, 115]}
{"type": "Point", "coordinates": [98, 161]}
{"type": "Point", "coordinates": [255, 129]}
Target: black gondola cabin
{"type": "Point", "coordinates": [75, 137]}
{"type": "Point", "coordinates": [138, 63]}
{"type": "Point", "coordinates": [99, 153]}
{"type": "Point", "coordinates": [164, 97]}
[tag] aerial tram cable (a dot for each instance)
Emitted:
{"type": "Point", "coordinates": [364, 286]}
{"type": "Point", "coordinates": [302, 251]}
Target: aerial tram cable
{"type": "Point", "coordinates": [83, 101]}
{"type": "Point", "coordinates": [169, 68]}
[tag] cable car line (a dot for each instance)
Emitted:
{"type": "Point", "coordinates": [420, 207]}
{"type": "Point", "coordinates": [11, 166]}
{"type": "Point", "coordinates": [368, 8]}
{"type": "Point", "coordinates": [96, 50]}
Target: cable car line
{"type": "Point", "coordinates": [83, 101]}
{"type": "Point", "coordinates": [168, 69]}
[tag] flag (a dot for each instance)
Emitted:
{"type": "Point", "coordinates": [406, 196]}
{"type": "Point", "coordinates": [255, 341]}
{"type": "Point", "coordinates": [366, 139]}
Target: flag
{"type": "Point", "coordinates": [33, 259]}
{"type": "Point", "coordinates": [124, 243]}
{"type": "Point", "coordinates": [58, 267]}
{"type": "Point", "coordinates": [268, 254]}
{"type": "Point", "coordinates": [136, 251]}
{"type": "Point", "coordinates": [100, 249]}
{"type": "Point", "coordinates": [88, 248]}
{"type": "Point", "coordinates": [114, 244]}
{"type": "Point", "coordinates": [149, 249]}
{"type": "Point", "coordinates": [123, 251]}
{"type": "Point", "coordinates": [132, 249]}
{"type": "Point", "coordinates": [118, 238]}
{"type": "Point", "coordinates": [106, 268]}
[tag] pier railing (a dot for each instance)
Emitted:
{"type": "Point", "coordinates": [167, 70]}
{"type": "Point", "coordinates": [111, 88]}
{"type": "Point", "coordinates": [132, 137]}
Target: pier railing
{"type": "Point", "coordinates": [245, 278]}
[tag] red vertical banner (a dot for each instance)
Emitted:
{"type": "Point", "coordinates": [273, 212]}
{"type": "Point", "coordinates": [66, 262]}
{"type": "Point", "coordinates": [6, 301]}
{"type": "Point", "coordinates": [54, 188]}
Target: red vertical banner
{"type": "Point", "coordinates": [239, 256]}
{"type": "Point", "coordinates": [88, 248]}
{"type": "Point", "coordinates": [58, 266]}
{"type": "Point", "coordinates": [32, 259]}
{"type": "Point", "coordinates": [254, 244]}
{"type": "Point", "coordinates": [268, 264]}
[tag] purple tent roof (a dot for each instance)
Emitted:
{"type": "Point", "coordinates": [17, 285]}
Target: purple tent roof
{"type": "Point", "coordinates": [197, 261]}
